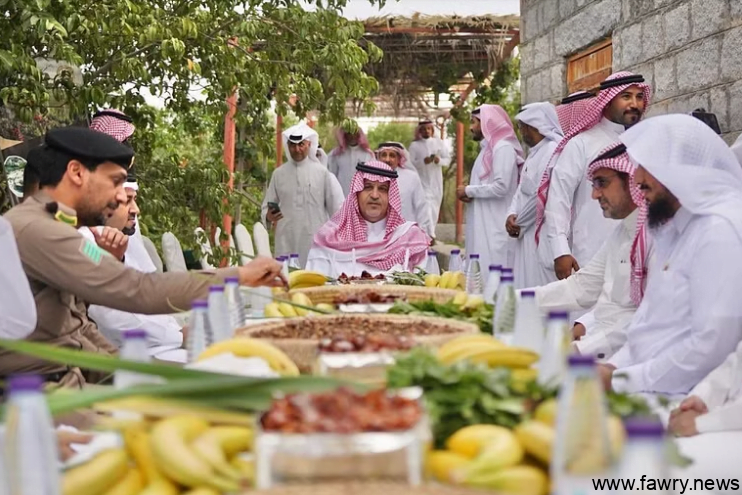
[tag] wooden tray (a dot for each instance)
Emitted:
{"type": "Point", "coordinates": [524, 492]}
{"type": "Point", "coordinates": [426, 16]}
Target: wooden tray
{"type": "Point", "coordinates": [328, 293]}
{"type": "Point", "coordinates": [370, 488]}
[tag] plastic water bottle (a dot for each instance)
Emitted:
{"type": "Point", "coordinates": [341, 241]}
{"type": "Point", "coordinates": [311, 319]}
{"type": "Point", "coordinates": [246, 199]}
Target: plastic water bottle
{"type": "Point", "coordinates": [30, 447]}
{"type": "Point", "coordinates": [473, 275]}
{"type": "Point", "coordinates": [259, 298]}
{"type": "Point", "coordinates": [431, 265]}
{"type": "Point", "coordinates": [199, 330]}
{"type": "Point", "coordinates": [454, 263]}
{"type": "Point", "coordinates": [528, 331]}
{"type": "Point", "coordinates": [507, 271]}
{"type": "Point", "coordinates": [294, 261]}
{"type": "Point", "coordinates": [219, 314]}
{"type": "Point", "coordinates": [555, 349]}
{"type": "Point", "coordinates": [644, 455]}
{"type": "Point", "coordinates": [135, 348]}
{"type": "Point", "coordinates": [582, 449]}
{"type": "Point", "coordinates": [285, 266]}
{"type": "Point", "coordinates": [235, 303]}
{"type": "Point", "coordinates": [504, 317]}
{"type": "Point", "coordinates": [493, 282]}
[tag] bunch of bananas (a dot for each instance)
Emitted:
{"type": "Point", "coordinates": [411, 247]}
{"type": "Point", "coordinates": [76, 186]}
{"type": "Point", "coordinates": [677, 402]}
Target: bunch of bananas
{"type": "Point", "coordinates": [247, 347]}
{"type": "Point", "coordinates": [181, 454]}
{"type": "Point", "coordinates": [449, 280]}
{"type": "Point", "coordinates": [300, 307]}
{"type": "Point", "coordinates": [468, 301]}
{"type": "Point", "coordinates": [302, 279]}
{"type": "Point", "coordinates": [489, 457]}
{"type": "Point", "coordinates": [484, 348]}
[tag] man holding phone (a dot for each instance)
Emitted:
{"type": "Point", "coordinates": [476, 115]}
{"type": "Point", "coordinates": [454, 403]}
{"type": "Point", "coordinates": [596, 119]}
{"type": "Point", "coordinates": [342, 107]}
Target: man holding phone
{"type": "Point", "coordinates": [429, 154]}
{"type": "Point", "coordinates": [302, 194]}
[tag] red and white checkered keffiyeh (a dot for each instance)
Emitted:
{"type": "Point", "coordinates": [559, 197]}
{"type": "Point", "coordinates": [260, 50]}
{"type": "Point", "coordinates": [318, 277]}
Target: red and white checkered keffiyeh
{"type": "Point", "coordinates": [118, 128]}
{"type": "Point", "coordinates": [589, 119]}
{"type": "Point", "coordinates": [343, 145]}
{"type": "Point", "coordinates": [347, 230]}
{"type": "Point", "coordinates": [400, 150]}
{"type": "Point", "coordinates": [569, 113]}
{"type": "Point", "coordinates": [497, 126]}
{"type": "Point", "coordinates": [639, 247]}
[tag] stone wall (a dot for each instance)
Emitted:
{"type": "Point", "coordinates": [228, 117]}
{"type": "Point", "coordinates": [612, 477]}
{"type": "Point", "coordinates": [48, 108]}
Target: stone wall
{"type": "Point", "coordinates": [690, 51]}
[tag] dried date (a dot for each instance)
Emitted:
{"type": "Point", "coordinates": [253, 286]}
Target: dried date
{"type": "Point", "coordinates": [366, 343]}
{"type": "Point", "coordinates": [319, 328]}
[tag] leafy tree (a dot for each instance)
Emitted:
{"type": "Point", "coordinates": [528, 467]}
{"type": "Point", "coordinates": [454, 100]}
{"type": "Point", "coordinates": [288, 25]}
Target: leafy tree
{"type": "Point", "coordinates": [392, 131]}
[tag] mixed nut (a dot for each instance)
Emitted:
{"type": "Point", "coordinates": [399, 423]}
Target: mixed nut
{"type": "Point", "coordinates": [365, 276]}
{"type": "Point", "coordinates": [367, 298]}
{"type": "Point", "coordinates": [364, 343]}
{"type": "Point", "coordinates": [341, 411]}
{"type": "Point", "coordinates": [321, 328]}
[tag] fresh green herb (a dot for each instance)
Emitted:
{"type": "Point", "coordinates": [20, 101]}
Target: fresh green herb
{"type": "Point", "coordinates": [480, 316]}
{"type": "Point", "coordinates": [406, 278]}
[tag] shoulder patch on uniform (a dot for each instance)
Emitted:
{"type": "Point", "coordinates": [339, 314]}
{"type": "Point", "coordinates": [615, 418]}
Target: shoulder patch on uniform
{"type": "Point", "coordinates": [61, 216]}
{"type": "Point", "coordinates": [91, 251]}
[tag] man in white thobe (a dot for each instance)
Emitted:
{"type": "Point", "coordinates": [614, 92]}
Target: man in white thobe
{"type": "Point", "coordinates": [302, 194]}
{"type": "Point", "coordinates": [429, 155]}
{"type": "Point", "coordinates": [690, 318]}
{"type": "Point", "coordinates": [492, 185]}
{"type": "Point", "coordinates": [737, 149]}
{"type": "Point", "coordinates": [605, 283]}
{"type": "Point", "coordinates": [414, 205]}
{"type": "Point", "coordinates": [322, 156]}
{"type": "Point", "coordinates": [17, 305]}
{"type": "Point", "coordinates": [368, 233]}
{"type": "Point", "coordinates": [574, 228]}
{"type": "Point", "coordinates": [540, 129]}
{"type": "Point", "coordinates": [351, 150]}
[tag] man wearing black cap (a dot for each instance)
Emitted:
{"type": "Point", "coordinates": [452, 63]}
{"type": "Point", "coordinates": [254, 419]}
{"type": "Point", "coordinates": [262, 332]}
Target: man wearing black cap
{"type": "Point", "coordinates": [429, 154]}
{"type": "Point", "coordinates": [83, 176]}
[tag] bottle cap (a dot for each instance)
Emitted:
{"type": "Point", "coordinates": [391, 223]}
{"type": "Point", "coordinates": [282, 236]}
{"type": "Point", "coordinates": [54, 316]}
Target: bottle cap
{"type": "Point", "coordinates": [644, 427]}
{"type": "Point", "coordinates": [294, 255]}
{"type": "Point", "coordinates": [432, 253]}
{"type": "Point", "coordinates": [134, 334]}
{"type": "Point", "coordinates": [200, 303]}
{"type": "Point", "coordinates": [507, 270]}
{"type": "Point", "coordinates": [558, 315]}
{"type": "Point", "coordinates": [216, 288]}
{"type": "Point", "coordinates": [581, 360]}
{"type": "Point", "coordinates": [473, 256]}
{"type": "Point", "coordinates": [507, 278]}
{"type": "Point", "coordinates": [232, 280]}
{"type": "Point", "coordinates": [281, 259]}
{"type": "Point", "coordinates": [456, 251]}
{"type": "Point", "coordinates": [528, 293]}
{"type": "Point", "coordinates": [20, 383]}
{"type": "Point", "coordinates": [495, 268]}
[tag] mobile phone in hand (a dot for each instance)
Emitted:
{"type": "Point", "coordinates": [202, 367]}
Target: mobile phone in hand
{"type": "Point", "coordinates": [273, 207]}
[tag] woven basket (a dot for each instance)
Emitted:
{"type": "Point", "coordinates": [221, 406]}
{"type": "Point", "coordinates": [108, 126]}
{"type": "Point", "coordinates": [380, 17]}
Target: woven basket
{"type": "Point", "coordinates": [303, 351]}
{"type": "Point", "coordinates": [369, 488]}
{"type": "Point", "coordinates": [328, 293]}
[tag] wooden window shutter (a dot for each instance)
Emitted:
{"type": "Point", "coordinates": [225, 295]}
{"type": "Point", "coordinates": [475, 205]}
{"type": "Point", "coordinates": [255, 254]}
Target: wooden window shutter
{"type": "Point", "coordinates": [586, 69]}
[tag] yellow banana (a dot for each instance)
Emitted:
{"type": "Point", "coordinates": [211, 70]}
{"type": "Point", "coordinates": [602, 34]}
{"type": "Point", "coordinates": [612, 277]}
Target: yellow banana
{"type": "Point", "coordinates": [477, 351]}
{"type": "Point", "coordinates": [474, 301]}
{"type": "Point", "coordinates": [537, 439]}
{"type": "Point", "coordinates": [246, 469]}
{"type": "Point", "coordinates": [216, 444]}
{"type": "Point", "coordinates": [303, 299]}
{"type": "Point", "coordinates": [163, 408]}
{"type": "Point", "coordinates": [202, 490]}
{"type": "Point", "coordinates": [432, 280]}
{"type": "Point", "coordinates": [287, 310]}
{"type": "Point", "coordinates": [131, 484]}
{"type": "Point", "coordinates": [272, 310]}
{"type": "Point", "coordinates": [470, 440]}
{"type": "Point", "coordinates": [499, 452]}
{"type": "Point", "coordinates": [306, 278]}
{"type": "Point", "coordinates": [459, 281]}
{"type": "Point", "coordinates": [445, 279]}
{"type": "Point", "coordinates": [516, 480]}
{"type": "Point", "coordinates": [546, 412]}
{"type": "Point", "coordinates": [247, 347]}
{"type": "Point", "coordinates": [161, 487]}
{"type": "Point", "coordinates": [510, 357]}
{"type": "Point", "coordinates": [173, 456]}
{"type": "Point", "coordinates": [326, 307]}
{"type": "Point", "coordinates": [616, 435]}
{"type": "Point", "coordinates": [472, 338]}
{"type": "Point", "coordinates": [137, 442]}
{"type": "Point", "coordinates": [460, 299]}
{"type": "Point", "coordinates": [520, 378]}
{"type": "Point", "coordinates": [442, 463]}
{"type": "Point", "coordinates": [98, 475]}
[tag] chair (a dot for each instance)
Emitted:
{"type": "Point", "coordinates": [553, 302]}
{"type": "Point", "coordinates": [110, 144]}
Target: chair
{"type": "Point", "coordinates": [232, 246]}
{"type": "Point", "coordinates": [244, 243]}
{"type": "Point", "coordinates": [203, 240]}
{"type": "Point", "coordinates": [152, 252]}
{"type": "Point", "coordinates": [173, 253]}
{"type": "Point", "coordinates": [262, 240]}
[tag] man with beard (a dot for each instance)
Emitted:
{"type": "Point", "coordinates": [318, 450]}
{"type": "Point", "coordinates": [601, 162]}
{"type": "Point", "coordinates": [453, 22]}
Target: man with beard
{"type": "Point", "coordinates": [540, 130]}
{"type": "Point", "coordinates": [414, 204]}
{"type": "Point", "coordinates": [368, 233]}
{"type": "Point", "coordinates": [165, 336]}
{"type": "Point", "coordinates": [302, 194]}
{"type": "Point", "coordinates": [351, 150]}
{"type": "Point", "coordinates": [82, 175]}
{"type": "Point", "coordinates": [690, 318]}
{"type": "Point", "coordinates": [611, 284]}
{"type": "Point", "coordinates": [429, 154]}
{"type": "Point", "coordinates": [492, 185]}
{"type": "Point", "coordinates": [570, 227]}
